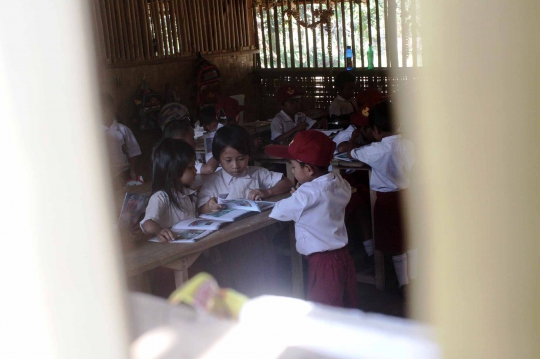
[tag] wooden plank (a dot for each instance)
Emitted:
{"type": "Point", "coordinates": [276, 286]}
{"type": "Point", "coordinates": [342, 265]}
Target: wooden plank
{"type": "Point", "coordinates": [265, 58]}
{"type": "Point", "coordinates": [168, 21]}
{"type": "Point", "coordinates": [138, 29]}
{"type": "Point", "coordinates": [207, 19]}
{"type": "Point", "coordinates": [369, 22]}
{"type": "Point", "coordinates": [162, 28]}
{"type": "Point", "coordinates": [217, 25]}
{"type": "Point", "coordinates": [193, 25]}
{"type": "Point", "coordinates": [131, 26]}
{"type": "Point", "coordinates": [248, 20]}
{"type": "Point", "coordinates": [119, 30]}
{"type": "Point", "coordinates": [283, 28]}
{"type": "Point", "coordinates": [125, 30]}
{"type": "Point", "coordinates": [187, 25]}
{"type": "Point", "coordinates": [236, 27]}
{"type": "Point", "coordinates": [241, 20]}
{"type": "Point", "coordinates": [353, 40]}
{"type": "Point", "coordinates": [291, 41]}
{"type": "Point", "coordinates": [147, 31]}
{"type": "Point", "coordinates": [323, 37]}
{"type": "Point", "coordinates": [385, 4]}
{"type": "Point", "coordinates": [269, 34]}
{"type": "Point", "coordinates": [104, 22]}
{"type": "Point", "coordinates": [403, 35]}
{"type": "Point", "coordinates": [315, 56]}
{"type": "Point", "coordinates": [177, 27]}
{"type": "Point", "coordinates": [392, 46]}
{"type": "Point", "coordinates": [378, 33]}
{"type": "Point", "coordinates": [223, 28]}
{"type": "Point", "coordinates": [361, 36]}
{"type": "Point", "coordinates": [414, 33]}
{"type": "Point", "coordinates": [344, 29]}
{"type": "Point", "coordinates": [276, 33]}
{"type": "Point", "coordinates": [156, 40]}
{"type": "Point", "coordinates": [306, 36]}
{"type": "Point", "coordinates": [115, 47]}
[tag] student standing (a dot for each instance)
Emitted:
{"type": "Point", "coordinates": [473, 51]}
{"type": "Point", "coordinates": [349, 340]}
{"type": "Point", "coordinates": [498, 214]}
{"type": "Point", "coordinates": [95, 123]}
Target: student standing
{"type": "Point", "coordinates": [344, 104]}
{"type": "Point", "coordinates": [391, 159]}
{"type": "Point", "coordinates": [317, 208]}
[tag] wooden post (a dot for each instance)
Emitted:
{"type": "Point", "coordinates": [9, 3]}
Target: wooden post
{"type": "Point", "coordinates": [181, 267]}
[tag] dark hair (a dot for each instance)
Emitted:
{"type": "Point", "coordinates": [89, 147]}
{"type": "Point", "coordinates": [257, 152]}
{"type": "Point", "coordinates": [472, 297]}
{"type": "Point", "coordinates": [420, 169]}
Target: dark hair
{"type": "Point", "coordinates": [176, 128]}
{"type": "Point", "coordinates": [342, 78]}
{"type": "Point", "coordinates": [170, 159]}
{"type": "Point", "coordinates": [318, 169]}
{"type": "Point", "coordinates": [207, 115]}
{"type": "Point", "coordinates": [231, 136]}
{"type": "Point", "coordinates": [382, 116]}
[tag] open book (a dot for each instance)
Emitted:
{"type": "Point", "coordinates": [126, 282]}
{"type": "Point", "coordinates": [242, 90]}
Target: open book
{"type": "Point", "coordinates": [197, 224]}
{"type": "Point", "coordinates": [246, 204]}
{"type": "Point", "coordinates": [132, 209]}
{"type": "Point", "coordinates": [187, 236]}
{"type": "Point", "coordinates": [344, 157]}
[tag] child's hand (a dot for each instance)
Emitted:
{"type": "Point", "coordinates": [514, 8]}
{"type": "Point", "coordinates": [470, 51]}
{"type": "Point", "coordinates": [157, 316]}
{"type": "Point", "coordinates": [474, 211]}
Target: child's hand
{"type": "Point", "coordinates": [295, 188]}
{"type": "Point", "coordinates": [214, 206]}
{"type": "Point", "coordinates": [258, 194]}
{"type": "Point", "coordinates": [301, 126]}
{"type": "Point", "coordinates": [165, 236]}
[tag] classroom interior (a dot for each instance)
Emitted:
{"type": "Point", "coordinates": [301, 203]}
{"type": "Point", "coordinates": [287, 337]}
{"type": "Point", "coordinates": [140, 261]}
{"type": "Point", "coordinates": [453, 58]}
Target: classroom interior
{"type": "Point", "coordinates": [474, 291]}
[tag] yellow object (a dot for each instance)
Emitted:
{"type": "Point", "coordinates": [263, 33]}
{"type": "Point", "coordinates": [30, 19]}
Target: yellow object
{"type": "Point", "coordinates": [203, 293]}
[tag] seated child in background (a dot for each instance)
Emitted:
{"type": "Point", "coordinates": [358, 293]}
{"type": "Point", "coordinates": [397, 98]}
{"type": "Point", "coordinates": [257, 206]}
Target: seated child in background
{"type": "Point", "coordinates": [391, 159]}
{"type": "Point", "coordinates": [172, 200]}
{"type": "Point", "coordinates": [289, 121]}
{"type": "Point", "coordinates": [344, 104]}
{"type": "Point", "coordinates": [317, 208]}
{"type": "Point", "coordinates": [232, 147]}
{"type": "Point", "coordinates": [122, 145]}
{"type": "Point", "coordinates": [208, 120]}
{"type": "Point", "coordinates": [250, 257]}
{"type": "Point", "coordinates": [182, 130]}
{"type": "Point", "coordinates": [228, 110]}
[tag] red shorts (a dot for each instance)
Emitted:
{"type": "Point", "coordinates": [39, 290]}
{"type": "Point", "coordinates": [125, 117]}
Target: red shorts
{"type": "Point", "coordinates": [388, 223]}
{"type": "Point", "coordinates": [332, 278]}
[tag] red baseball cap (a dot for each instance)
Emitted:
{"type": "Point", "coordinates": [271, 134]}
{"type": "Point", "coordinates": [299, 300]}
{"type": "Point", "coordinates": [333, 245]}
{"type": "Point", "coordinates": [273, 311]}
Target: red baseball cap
{"type": "Point", "coordinates": [312, 147]}
{"type": "Point", "coordinates": [360, 118]}
{"type": "Point", "coordinates": [228, 106]}
{"type": "Point", "coordinates": [285, 93]}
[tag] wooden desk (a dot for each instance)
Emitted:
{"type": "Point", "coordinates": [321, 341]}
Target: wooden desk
{"type": "Point", "coordinates": [180, 256]}
{"type": "Point", "coordinates": [378, 279]}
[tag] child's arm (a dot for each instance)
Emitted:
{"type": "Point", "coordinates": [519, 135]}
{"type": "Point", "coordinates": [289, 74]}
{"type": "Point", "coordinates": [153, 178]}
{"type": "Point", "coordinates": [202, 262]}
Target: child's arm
{"type": "Point", "coordinates": [281, 187]}
{"type": "Point", "coordinates": [211, 206]}
{"type": "Point", "coordinates": [285, 136]}
{"type": "Point", "coordinates": [209, 167]}
{"type": "Point", "coordinates": [163, 234]}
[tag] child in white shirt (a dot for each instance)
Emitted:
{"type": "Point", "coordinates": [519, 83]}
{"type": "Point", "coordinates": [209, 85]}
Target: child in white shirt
{"type": "Point", "coordinates": [391, 159]}
{"type": "Point", "coordinates": [250, 258]}
{"type": "Point", "coordinates": [172, 200]}
{"type": "Point", "coordinates": [289, 121]}
{"type": "Point", "coordinates": [344, 104]}
{"type": "Point", "coordinates": [317, 208]}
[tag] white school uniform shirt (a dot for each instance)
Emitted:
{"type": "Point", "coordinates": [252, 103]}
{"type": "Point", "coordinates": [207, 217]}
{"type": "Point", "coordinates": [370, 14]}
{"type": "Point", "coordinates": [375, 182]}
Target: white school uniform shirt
{"type": "Point", "coordinates": [318, 211]}
{"type": "Point", "coordinates": [162, 211]}
{"type": "Point", "coordinates": [222, 183]}
{"type": "Point", "coordinates": [391, 161]}
{"type": "Point", "coordinates": [122, 146]}
{"type": "Point", "coordinates": [283, 123]}
{"type": "Point", "coordinates": [340, 106]}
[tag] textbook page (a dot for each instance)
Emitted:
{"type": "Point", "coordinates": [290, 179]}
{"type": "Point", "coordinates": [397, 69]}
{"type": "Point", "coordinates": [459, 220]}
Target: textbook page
{"type": "Point", "coordinates": [197, 224]}
{"type": "Point", "coordinates": [227, 215]}
{"type": "Point", "coordinates": [243, 204]}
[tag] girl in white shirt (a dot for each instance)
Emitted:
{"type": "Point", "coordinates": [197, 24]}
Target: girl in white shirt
{"type": "Point", "coordinates": [172, 200]}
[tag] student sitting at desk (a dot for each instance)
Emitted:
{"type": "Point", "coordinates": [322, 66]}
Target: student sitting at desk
{"type": "Point", "coordinates": [182, 130]}
{"type": "Point", "coordinates": [228, 110]}
{"type": "Point", "coordinates": [391, 159]}
{"type": "Point", "coordinates": [344, 104]}
{"type": "Point", "coordinates": [317, 208]}
{"type": "Point", "coordinates": [172, 200]}
{"type": "Point", "coordinates": [208, 120]}
{"type": "Point", "coordinates": [252, 260]}
{"type": "Point", "coordinates": [289, 121]}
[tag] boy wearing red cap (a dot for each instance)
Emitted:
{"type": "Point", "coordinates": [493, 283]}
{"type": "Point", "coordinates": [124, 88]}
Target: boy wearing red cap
{"type": "Point", "coordinates": [228, 110]}
{"type": "Point", "coordinates": [289, 121]}
{"type": "Point", "coordinates": [318, 209]}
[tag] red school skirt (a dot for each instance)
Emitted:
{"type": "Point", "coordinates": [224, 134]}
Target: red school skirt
{"type": "Point", "coordinates": [388, 222]}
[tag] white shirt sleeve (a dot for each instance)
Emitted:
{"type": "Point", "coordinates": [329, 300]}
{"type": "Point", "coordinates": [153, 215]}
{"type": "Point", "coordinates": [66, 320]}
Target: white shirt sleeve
{"type": "Point", "coordinates": [276, 127]}
{"type": "Point", "coordinates": [157, 205]}
{"type": "Point", "coordinates": [367, 154]}
{"type": "Point", "coordinates": [207, 191]}
{"type": "Point", "coordinates": [268, 178]}
{"type": "Point", "coordinates": [289, 209]}
{"type": "Point", "coordinates": [334, 109]}
{"type": "Point", "coordinates": [132, 145]}
{"type": "Point", "coordinates": [311, 122]}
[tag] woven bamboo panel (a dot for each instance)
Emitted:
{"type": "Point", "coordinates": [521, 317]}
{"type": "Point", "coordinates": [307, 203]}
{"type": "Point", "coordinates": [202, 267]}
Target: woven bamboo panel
{"type": "Point", "coordinates": [318, 85]}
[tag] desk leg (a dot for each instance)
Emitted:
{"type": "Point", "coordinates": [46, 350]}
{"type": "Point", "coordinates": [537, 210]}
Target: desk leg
{"type": "Point", "coordinates": [180, 267]}
{"type": "Point", "coordinates": [296, 266]}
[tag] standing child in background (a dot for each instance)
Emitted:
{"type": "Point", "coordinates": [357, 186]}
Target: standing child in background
{"type": "Point", "coordinates": [344, 104]}
{"type": "Point", "coordinates": [182, 130]}
{"type": "Point", "coordinates": [208, 120]}
{"type": "Point", "coordinates": [317, 208]}
{"type": "Point", "coordinates": [122, 145]}
{"type": "Point", "coordinates": [251, 258]}
{"type": "Point", "coordinates": [391, 159]}
{"type": "Point", "coordinates": [289, 121]}
{"type": "Point", "coordinates": [172, 200]}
